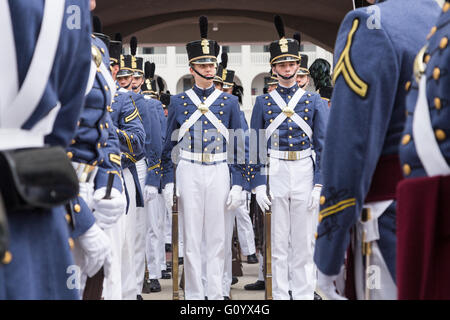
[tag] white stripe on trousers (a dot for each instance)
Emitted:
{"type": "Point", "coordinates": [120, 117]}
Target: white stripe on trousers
{"type": "Point", "coordinates": [203, 193]}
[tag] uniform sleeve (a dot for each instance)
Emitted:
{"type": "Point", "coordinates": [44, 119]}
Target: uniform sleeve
{"type": "Point", "coordinates": [255, 162]}
{"type": "Point", "coordinates": [319, 129]}
{"type": "Point", "coordinates": [111, 162]}
{"type": "Point", "coordinates": [169, 143]}
{"type": "Point", "coordinates": [238, 167]}
{"type": "Point", "coordinates": [153, 147]}
{"type": "Point", "coordinates": [366, 74]}
{"type": "Point", "coordinates": [130, 131]}
{"type": "Point", "coordinates": [82, 217]}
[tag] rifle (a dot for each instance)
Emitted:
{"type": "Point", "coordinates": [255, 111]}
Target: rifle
{"type": "Point", "coordinates": [236, 263]}
{"type": "Point", "coordinates": [4, 231]}
{"type": "Point", "coordinates": [366, 251]}
{"type": "Point", "coordinates": [268, 242]}
{"type": "Point", "coordinates": [175, 289]}
{"type": "Point", "coordinates": [94, 286]}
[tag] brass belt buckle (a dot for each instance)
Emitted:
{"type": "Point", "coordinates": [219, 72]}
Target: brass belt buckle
{"type": "Point", "coordinates": [292, 155]}
{"type": "Point", "coordinates": [206, 157]}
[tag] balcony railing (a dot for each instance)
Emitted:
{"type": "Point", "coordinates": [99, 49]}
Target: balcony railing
{"type": "Point", "coordinates": [159, 59]}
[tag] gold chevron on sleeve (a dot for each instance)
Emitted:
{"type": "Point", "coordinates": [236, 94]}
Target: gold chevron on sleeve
{"type": "Point", "coordinates": [136, 108]}
{"type": "Point", "coordinates": [114, 158]}
{"type": "Point", "coordinates": [344, 66]}
{"type": "Point", "coordinates": [337, 208]}
{"type": "Point", "coordinates": [132, 116]}
{"type": "Point", "coordinates": [128, 140]}
{"type": "Point", "coordinates": [155, 166]}
{"type": "Point", "coordinates": [127, 155]}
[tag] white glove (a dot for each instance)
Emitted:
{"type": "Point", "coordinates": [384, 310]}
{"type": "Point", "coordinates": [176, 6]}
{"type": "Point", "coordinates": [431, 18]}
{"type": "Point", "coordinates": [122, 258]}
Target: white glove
{"type": "Point", "coordinates": [261, 197]}
{"type": "Point", "coordinates": [234, 199]}
{"type": "Point", "coordinates": [150, 193]}
{"type": "Point", "coordinates": [108, 211]}
{"type": "Point", "coordinates": [314, 198]}
{"type": "Point", "coordinates": [86, 192]}
{"type": "Point", "coordinates": [168, 196]}
{"type": "Point", "coordinates": [326, 287]}
{"type": "Point", "coordinates": [96, 247]}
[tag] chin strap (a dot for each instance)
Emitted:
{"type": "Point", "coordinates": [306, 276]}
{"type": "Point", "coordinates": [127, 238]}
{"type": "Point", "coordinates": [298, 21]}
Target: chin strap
{"type": "Point", "coordinates": [303, 86]}
{"type": "Point", "coordinates": [287, 78]}
{"type": "Point", "coordinates": [204, 77]}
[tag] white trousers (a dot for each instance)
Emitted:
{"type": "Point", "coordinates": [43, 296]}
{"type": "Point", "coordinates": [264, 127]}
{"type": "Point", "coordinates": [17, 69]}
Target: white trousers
{"type": "Point", "coordinates": [128, 241]}
{"type": "Point", "coordinates": [246, 240]}
{"type": "Point", "coordinates": [112, 285]}
{"type": "Point", "coordinates": [140, 230]}
{"type": "Point", "coordinates": [203, 192]}
{"type": "Point", "coordinates": [291, 183]}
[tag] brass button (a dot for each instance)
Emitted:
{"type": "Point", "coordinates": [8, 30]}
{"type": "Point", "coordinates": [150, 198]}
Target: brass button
{"type": "Point", "coordinates": [406, 139]}
{"type": "Point", "coordinates": [185, 112]}
{"type": "Point", "coordinates": [270, 120]}
{"type": "Point", "coordinates": [303, 135]}
{"type": "Point", "coordinates": [71, 243]}
{"type": "Point", "coordinates": [70, 155]}
{"type": "Point", "coordinates": [309, 94]}
{"type": "Point", "coordinates": [275, 144]}
{"type": "Point", "coordinates": [182, 97]}
{"type": "Point", "coordinates": [221, 112]}
{"type": "Point", "coordinates": [106, 88]}
{"type": "Point", "coordinates": [291, 145]}
{"type": "Point", "coordinates": [205, 140]}
{"type": "Point", "coordinates": [266, 97]}
{"type": "Point", "coordinates": [306, 118]}
{"type": "Point", "coordinates": [101, 126]}
{"type": "Point", "coordinates": [218, 138]}
{"type": "Point", "coordinates": [440, 134]}
{"type": "Point", "coordinates": [117, 130]}
{"type": "Point", "coordinates": [107, 125]}
{"type": "Point", "coordinates": [436, 73]}
{"type": "Point", "coordinates": [77, 208]}
{"type": "Point", "coordinates": [204, 98]}
{"type": "Point", "coordinates": [290, 120]}
{"type": "Point", "coordinates": [303, 143]}
{"type": "Point", "coordinates": [205, 122]}
{"type": "Point", "coordinates": [206, 149]}
{"type": "Point", "coordinates": [290, 137]}
{"type": "Point", "coordinates": [217, 148]}
{"type": "Point", "coordinates": [105, 144]}
{"type": "Point", "coordinates": [269, 104]}
{"type": "Point", "coordinates": [437, 103]}
{"type": "Point", "coordinates": [289, 97]}
{"type": "Point", "coordinates": [407, 85]}
{"type": "Point", "coordinates": [316, 235]}
{"type": "Point", "coordinates": [73, 141]}
{"type": "Point", "coordinates": [290, 128]}
{"type": "Point", "coordinates": [7, 258]}
{"type": "Point", "coordinates": [444, 42]}
{"type": "Point", "coordinates": [406, 169]}
{"type": "Point", "coordinates": [99, 145]}
{"type": "Point", "coordinates": [427, 58]}
{"type": "Point", "coordinates": [185, 104]}
{"type": "Point", "coordinates": [307, 101]}
{"type": "Point", "coordinates": [269, 112]}
{"type": "Point", "coordinates": [68, 218]}
{"type": "Point", "coordinates": [322, 200]}
{"type": "Point", "coordinates": [281, 90]}
{"type": "Point", "coordinates": [306, 110]}
{"type": "Point", "coordinates": [222, 104]}
{"type": "Point", "coordinates": [206, 130]}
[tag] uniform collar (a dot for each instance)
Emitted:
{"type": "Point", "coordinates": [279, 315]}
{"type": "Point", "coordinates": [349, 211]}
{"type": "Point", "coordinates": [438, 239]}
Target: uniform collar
{"type": "Point", "coordinates": [203, 92]}
{"type": "Point", "coordinates": [284, 90]}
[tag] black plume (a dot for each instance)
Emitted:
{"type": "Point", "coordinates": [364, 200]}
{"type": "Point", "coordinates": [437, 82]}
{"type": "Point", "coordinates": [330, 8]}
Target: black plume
{"type": "Point", "coordinates": [118, 37]}
{"type": "Point", "coordinates": [224, 61]}
{"type": "Point", "coordinates": [97, 24]}
{"type": "Point", "coordinates": [203, 22]}
{"type": "Point", "coordinates": [298, 37]}
{"type": "Point", "coordinates": [279, 25]}
{"type": "Point", "coordinates": [160, 84]}
{"type": "Point", "coordinates": [152, 70]}
{"type": "Point", "coordinates": [133, 45]}
{"type": "Point", "coordinates": [265, 90]}
{"type": "Point", "coordinates": [147, 68]}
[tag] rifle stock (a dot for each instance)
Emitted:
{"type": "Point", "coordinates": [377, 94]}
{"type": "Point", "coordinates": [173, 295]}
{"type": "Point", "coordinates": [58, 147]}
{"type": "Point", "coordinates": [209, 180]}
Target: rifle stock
{"type": "Point", "coordinates": [268, 242]}
{"type": "Point", "coordinates": [175, 289]}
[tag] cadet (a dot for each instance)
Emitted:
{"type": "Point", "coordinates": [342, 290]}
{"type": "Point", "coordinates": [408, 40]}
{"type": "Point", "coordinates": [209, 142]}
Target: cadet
{"type": "Point", "coordinates": [423, 202]}
{"type": "Point", "coordinates": [293, 121]}
{"type": "Point", "coordinates": [94, 152]}
{"type": "Point", "coordinates": [202, 117]}
{"type": "Point", "coordinates": [36, 103]}
{"type": "Point", "coordinates": [360, 164]}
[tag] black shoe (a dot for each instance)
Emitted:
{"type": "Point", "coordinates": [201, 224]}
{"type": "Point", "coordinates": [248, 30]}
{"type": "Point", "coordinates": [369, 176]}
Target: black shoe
{"type": "Point", "coordinates": [139, 297]}
{"type": "Point", "coordinates": [290, 295]}
{"type": "Point", "coordinates": [169, 266]}
{"type": "Point", "coordinates": [154, 285]}
{"type": "Point", "coordinates": [146, 287]}
{"type": "Point", "coordinates": [252, 259]}
{"type": "Point", "coordinates": [226, 298]}
{"type": "Point", "coordinates": [258, 285]}
{"type": "Point", "coordinates": [180, 261]}
{"type": "Point", "coordinates": [234, 280]}
{"type": "Point", "coordinates": [168, 247]}
{"type": "Point", "coordinates": [165, 274]}
{"type": "Point", "coordinates": [317, 296]}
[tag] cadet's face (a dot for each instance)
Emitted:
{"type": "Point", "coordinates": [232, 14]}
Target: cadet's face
{"type": "Point", "coordinates": [93, 4]}
{"type": "Point", "coordinates": [218, 85]}
{"type": "Point", "coordinates": [286, 69]}
{"type": "Point", "coordinates": [271, 87]}
{"type": "Point", "coordinates": [137, 81]}
{"type": "Point", "coordinates": [302, 80]}
{"type": "Point", "coordinates": [114, 70]}
{"type": "Point", "coordinates": [228, 90]}
{"type": "Point", "coordinates": [207, 70]}
{"type": "Point", "coordinates": [124, 81]}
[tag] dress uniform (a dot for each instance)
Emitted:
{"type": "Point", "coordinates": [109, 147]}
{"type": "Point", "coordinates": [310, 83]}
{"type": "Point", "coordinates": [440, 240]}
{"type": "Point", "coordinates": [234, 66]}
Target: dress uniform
{"type": "Point", "coordinates": [360, 164]}
{"type": "Point", "coordinates": [423, 251]}
{"type": "Point", "coordinates": [43, 96]}
{"type": "Point", "coordinates": [94, 152]}
{"type": "Point", "coordinates": [201, 118]}
{"type": "Point", "coordinates": [293, 122]}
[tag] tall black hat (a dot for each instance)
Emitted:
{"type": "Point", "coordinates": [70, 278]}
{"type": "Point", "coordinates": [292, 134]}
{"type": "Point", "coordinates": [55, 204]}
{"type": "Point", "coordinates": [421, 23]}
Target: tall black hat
{"type": "Point", "coordinates": [220, 68]}
{"type": "Point", "coordinates": [226, 76]}
{"type": "Point", "coordinates": [285, 49]}
{"type": "Point", "coordinates": [273, 79]}
{"type": "Point", "coordinates": [129, 63]}
{"type": "Point", "coordinates": [97, 28]}
{"type": "Point", "coordinates": [115, 49]}
{"type": "Point", "coordinates": [149, 85]}
{"type": "Point", "coordinates": [203, 51]}
{"type": "Point", "coordinates": [326, 92]}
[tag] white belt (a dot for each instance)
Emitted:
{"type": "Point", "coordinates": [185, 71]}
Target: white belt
{"type": "Point", "coordinates": [85, 172]}
{"type": "Point", "coordinates": [203, 157]}
{"type": "Point", "coordinates": [290, 155]}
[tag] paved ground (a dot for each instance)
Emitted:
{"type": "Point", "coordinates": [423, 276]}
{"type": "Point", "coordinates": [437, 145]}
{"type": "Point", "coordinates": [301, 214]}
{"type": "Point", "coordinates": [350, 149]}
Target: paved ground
{"type": "Point", "coordinates": [250, 272]}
